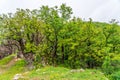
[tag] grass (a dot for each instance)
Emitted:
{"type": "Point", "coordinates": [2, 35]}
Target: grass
{"type": "Point", "coordinates": [6, 59]}
{"type": "Point", "coordinates": [45, 73]}
{"type": "Point", "coordinates": [9, 67]}
{"type": "Point", "coordinates": [60, 73]}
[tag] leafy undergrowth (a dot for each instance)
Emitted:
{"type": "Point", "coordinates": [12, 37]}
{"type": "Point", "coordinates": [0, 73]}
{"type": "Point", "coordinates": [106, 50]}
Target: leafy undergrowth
{"type": "Point", "coordinates": [12, 67]}
{"type": "Point", "coordinates": [115, 75]}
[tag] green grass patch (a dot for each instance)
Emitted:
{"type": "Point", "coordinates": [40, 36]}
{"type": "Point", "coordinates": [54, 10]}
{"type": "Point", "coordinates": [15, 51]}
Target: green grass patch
{"type": "Point", "coordinates": [46, 73]}
{"type": "Point", "coordinates": [7, 59]}
{"type": "Point", "coordinates": [61, 73]}
{"type": "Point", "coordinates": [10, 71]}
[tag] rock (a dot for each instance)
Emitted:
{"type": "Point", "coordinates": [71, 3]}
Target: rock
{"type": "Point", "coordinates": [77, 70]}
{"type": "Point", "coordinates": [81, 70]}
{"type": "Point", "coordinates": [17, 76]}
{"type": "Point", "coordinates": [17, 59]}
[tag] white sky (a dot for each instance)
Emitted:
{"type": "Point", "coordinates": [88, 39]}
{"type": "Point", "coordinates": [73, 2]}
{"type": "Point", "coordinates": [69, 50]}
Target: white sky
{"type": "Point", "coordinates": [98, 10]}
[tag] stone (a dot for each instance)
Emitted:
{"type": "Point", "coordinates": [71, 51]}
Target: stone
{"type": "Point", "coordinates": [17, 76]}
{"type": "Point", "coordinates": [77, 70]}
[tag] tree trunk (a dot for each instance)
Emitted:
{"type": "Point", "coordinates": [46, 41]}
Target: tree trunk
{"type": "Point", "coordinates": [62, 53]}
{"type": "Point", "coordinates": [21, 50]}
{"type": "Point", "coordinates": [55, 50]}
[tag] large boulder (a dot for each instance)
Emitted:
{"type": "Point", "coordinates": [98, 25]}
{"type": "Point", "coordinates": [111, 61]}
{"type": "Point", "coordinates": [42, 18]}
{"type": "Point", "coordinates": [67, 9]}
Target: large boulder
{"type": "Point", "coordinates": [4, 51]}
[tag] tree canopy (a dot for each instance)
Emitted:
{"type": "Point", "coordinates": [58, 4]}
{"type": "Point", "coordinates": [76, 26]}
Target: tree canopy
{"type": "Point", "coordinates": [50, 35]}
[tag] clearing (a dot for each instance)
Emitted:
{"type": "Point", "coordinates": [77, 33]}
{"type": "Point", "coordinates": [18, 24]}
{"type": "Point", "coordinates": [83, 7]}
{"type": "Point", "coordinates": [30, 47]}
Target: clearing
{"type": "Point", "coordinates": [10, 67]}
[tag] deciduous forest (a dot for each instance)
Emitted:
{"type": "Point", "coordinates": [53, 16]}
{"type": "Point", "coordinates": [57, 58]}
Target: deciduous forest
{"type": "Point", "coordinates": [52, 36]}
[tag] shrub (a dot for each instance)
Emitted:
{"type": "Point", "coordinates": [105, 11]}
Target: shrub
{"type": "Point", "coordinates": [106, 67]}
{"type": "Point", "coordinates": [115, 76]}
{"type": "Point", "coordinates": [115, 62]}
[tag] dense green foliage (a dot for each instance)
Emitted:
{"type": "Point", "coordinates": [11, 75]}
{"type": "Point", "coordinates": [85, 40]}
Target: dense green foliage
{"type": "Point", "coordinates": [49, 36]}
{"type": "Point", "coordinates": [115, 76]}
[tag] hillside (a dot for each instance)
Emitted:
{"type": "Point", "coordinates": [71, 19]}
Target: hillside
{"type": "Point", "coordinates": [10, 67]}
{"type": "Point", "coordinates": [52, 45]}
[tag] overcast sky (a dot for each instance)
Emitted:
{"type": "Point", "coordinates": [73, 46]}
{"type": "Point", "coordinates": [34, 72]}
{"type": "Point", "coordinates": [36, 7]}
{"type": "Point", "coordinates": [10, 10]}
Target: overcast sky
{"type": "Point", "coordinates": [98, 10]}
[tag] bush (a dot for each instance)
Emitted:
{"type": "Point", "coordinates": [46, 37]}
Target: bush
{"type": "Point", "coordinates": [106, 67]}
{"type": "Point", "coordinates": [115, 62]}
{"type": "Point", "coordinates": [115, 76]}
